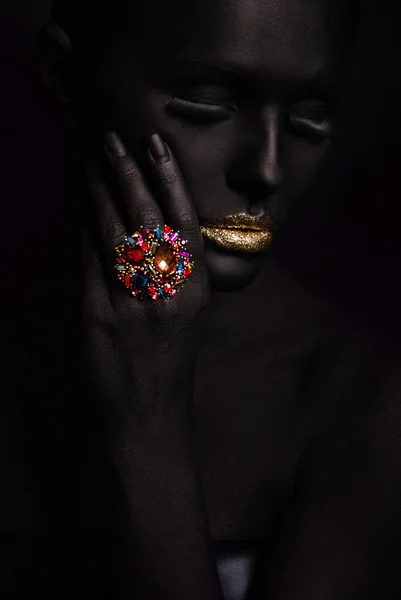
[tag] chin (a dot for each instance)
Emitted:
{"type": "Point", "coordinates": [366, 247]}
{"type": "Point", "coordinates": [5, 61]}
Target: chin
{"type": "Point", "coordinates": [231, 271]}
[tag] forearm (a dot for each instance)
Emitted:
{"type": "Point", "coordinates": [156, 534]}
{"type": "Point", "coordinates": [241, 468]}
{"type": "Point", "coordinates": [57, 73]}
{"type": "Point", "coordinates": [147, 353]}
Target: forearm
{"type": "Point", "coordinates": [162, 528]}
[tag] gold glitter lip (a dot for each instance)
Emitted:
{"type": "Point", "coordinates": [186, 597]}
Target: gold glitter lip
{"type": "Point", "coordinates": [240, 233]}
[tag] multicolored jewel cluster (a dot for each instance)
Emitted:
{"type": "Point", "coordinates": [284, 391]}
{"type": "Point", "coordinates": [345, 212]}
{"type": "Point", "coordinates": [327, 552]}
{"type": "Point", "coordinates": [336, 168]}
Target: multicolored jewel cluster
{"type": "Point", "coordinates": [153, 262]}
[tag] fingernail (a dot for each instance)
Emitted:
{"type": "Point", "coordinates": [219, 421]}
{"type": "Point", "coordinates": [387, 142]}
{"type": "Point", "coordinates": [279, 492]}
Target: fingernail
{"type": "Point", "coordinates": [158, 148]}
{"type": "Point", "coordinates": [114, 144]}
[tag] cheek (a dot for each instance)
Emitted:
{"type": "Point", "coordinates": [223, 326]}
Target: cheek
{"type": "Point", "coordinates": [204, 153]}
{"type": "Point", "coordinates": [201, 150]}
{"type": "Point", "coordinates": [301, 160]}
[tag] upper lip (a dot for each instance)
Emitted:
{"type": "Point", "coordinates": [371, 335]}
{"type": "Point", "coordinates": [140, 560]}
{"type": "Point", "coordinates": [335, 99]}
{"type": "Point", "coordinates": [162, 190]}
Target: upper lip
{"type": "Point", "coordinates": [243, 222]}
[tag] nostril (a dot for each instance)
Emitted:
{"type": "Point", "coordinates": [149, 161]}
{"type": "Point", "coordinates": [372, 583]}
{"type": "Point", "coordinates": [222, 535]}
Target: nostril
{"type": "Point", "coordinates": [257, 209]}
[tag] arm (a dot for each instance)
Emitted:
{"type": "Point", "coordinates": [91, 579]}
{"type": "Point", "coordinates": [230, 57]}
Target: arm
{"type": "Point", "coordinates": [140, 359]}
{"type": "Point", "coordinates": [162, 532]}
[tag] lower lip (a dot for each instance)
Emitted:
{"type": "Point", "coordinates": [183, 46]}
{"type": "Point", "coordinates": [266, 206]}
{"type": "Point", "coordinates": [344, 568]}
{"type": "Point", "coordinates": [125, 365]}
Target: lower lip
{"type": "Point", "coordinates": [238, 240]}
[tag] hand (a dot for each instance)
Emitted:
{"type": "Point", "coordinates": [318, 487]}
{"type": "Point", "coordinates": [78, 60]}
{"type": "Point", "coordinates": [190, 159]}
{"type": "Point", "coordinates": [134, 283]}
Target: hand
{"type": "Point", "coordinates": [145, 349]}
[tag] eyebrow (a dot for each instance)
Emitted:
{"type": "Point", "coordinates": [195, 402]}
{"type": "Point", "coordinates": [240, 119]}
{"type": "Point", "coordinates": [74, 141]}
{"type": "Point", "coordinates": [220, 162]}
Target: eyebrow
{"type": "Point", "coordinates": [327, 82]}
{"type": "Point", "coordinates": [330, 81]}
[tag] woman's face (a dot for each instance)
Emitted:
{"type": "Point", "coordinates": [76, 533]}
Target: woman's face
{"type": "Point", "coordinates": [242, 91]}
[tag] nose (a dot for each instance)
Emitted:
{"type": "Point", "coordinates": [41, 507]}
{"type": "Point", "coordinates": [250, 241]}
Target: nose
{"type": "Point", "coordinates": [257, 170]}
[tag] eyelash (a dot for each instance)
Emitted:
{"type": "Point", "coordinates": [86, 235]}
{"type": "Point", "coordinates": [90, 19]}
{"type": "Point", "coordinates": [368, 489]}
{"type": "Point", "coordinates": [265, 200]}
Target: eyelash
{"type": "Point", "coordinates": [301, 118]}
{"type": "Point", "coordinates": [310, 119]}
{"type": "Point", "coordinates": [201, 110]}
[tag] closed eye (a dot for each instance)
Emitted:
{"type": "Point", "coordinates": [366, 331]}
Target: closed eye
{"type": "Point", "coordinates": [201, 109]}
{"type": "Point", "coordinates": [311, 118]}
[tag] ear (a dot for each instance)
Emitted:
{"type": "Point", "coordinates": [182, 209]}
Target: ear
{"type": "Point", "coordinates": [54, 48]}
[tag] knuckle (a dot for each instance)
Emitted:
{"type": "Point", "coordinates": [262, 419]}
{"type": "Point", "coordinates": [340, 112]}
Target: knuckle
{"type": "Point", "coordinates": [168, 175]}
{"type": "Point", "coordinates": [130, 172]}
{"type": "Point", "coordinates": [188, 227]}
{"type": "Point", "coordinates": [113, 229]}
{"type": "Point", "coordinates": [188, 224]}
{"type": "Point", "coordinates": [147, 218]}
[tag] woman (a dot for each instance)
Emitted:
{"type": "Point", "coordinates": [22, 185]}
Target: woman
{"type": "Point", "coordinates": [230, 424]}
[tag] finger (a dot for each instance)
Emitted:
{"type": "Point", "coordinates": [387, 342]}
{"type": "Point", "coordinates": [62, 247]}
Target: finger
{"type": "Point", "coordinates": [139, 204]}
{"type": "Point", "coordinates": [110, 227]}
{"type": "Point", "coordinates": [177, 204]}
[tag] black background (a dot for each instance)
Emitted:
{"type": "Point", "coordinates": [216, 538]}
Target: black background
{"type": "Point", "coordinates": [30, 13]}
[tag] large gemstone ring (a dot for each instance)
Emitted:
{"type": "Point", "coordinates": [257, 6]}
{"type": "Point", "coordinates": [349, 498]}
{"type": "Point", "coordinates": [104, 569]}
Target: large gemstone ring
{"type": "Point", "coordinates": [153, 263]}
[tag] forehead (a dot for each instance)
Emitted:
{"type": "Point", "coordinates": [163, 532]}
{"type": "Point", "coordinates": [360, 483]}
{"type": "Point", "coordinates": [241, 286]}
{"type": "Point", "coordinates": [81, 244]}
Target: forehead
{"type": "Point", "coordinates": [272, 39]}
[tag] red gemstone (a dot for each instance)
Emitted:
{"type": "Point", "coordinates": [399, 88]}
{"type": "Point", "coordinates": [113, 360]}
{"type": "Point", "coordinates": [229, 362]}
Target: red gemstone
{"type": "Point", "coordinates": [167, 229]}
{"type": "Point", "coordinates": [167, 287]}
{"type": "Point", "coordinates": [120, 260]}
{"type": "Point", "coordinates": [145, 246]}
{"type": "Point", "coordinates": [134, 256]}
{"type": "Point", "coordinates": [187, 272]}
{"type": "Point", "coordinates": [127, 281]}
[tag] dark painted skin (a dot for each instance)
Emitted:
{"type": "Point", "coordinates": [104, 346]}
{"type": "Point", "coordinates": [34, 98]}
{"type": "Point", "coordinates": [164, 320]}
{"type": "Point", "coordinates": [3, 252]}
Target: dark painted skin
{"type": "Point", "coordinates": [275, 448]}
{"type": "Point", "coordinates": [268, 59]}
